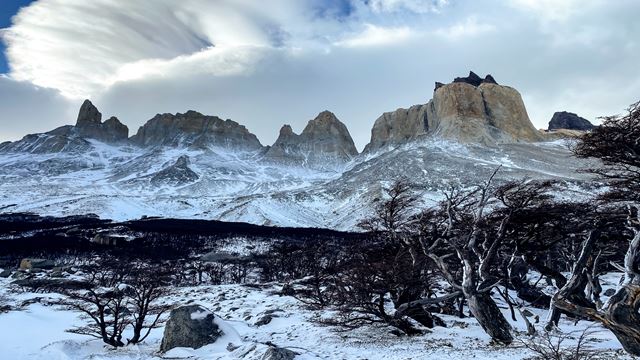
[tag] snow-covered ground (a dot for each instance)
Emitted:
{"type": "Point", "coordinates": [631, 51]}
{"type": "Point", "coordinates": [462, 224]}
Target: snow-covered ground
{"type": "Point", "coordinates": [117, 182]}
{"type": "Point", "coordinates": [36, 331]}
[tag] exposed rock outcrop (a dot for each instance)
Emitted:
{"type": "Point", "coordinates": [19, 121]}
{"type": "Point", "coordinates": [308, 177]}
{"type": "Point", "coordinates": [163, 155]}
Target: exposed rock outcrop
{"type": "Point", "coordinates": [193, 129]}
{"type": "Point", "coordinates": [177, 174]}
{"type": "Point", "coordinates": [69, 138]}
{"type": "Point", "coordinates": [325, 138]}
{"type": "Point", "coordinates": [190, 326]}
{"type": "Point", "coordinates": [569, 121]}
{"type": "Point", "coordinates": [468, 110]}
{"type": "Point", "coordinates": [89, 125]}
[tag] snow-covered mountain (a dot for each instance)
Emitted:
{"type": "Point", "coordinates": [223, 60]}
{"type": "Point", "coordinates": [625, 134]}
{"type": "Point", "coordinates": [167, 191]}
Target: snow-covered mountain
{"type": "Point", "coordinates": [196, 166]}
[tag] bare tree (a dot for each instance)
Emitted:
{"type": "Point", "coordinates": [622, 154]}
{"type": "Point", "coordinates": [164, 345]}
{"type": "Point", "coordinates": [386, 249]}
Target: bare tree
{"type": "Point", "coordinates": [114, 297]}
{"type": "Point", "coordinates": [102, 302]}
{"type": "Point", "coordinates": [620, 313]}
{"type": "Point", "coordinates": [458, 227]}
{"type": "Point", "coordinates": [145, 288]}
{"type": "Point", "coordinates": [617, 143]}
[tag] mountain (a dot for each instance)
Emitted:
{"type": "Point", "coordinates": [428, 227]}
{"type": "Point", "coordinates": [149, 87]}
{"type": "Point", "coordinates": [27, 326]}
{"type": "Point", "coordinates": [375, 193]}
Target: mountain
{"type": "Point", "coordinates": [198, 166]}
{"type": "Point", "coordinates": [192, 129]}
{"type": "Point", "coordinates": [70, 138]}
{"type": "Point", "coordinates": [468, 110]}
{"type": "Point", "coordinates": [325, 140]}
{"type": "Point", "coordinates": [569, 121]}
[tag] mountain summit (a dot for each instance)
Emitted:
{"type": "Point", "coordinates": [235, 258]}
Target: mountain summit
{"type": "Point", "coordinates": [193, 129]}
{"type": "Point", "coordinates": [324, 138]}
{"type": "Point", "coordinates": [467, 110]}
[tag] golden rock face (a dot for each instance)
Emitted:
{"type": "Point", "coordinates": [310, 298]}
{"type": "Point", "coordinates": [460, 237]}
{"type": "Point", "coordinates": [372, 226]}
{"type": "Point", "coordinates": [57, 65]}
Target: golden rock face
{"type": "Point", "coordinates": [487, 114]}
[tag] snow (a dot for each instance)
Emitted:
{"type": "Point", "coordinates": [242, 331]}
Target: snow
{"type": "Point", "coordinates": [114, 181]}
{"type": "Point", "coordinates": [38, 331]}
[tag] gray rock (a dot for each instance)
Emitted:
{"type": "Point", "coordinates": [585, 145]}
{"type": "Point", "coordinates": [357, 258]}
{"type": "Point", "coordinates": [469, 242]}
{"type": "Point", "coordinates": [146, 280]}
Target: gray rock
{"type": "Point", "coordinates": [264, 320]}
{"type": "Point", "coordinates": [325, 139]}
{"type": "Point", "coordinates": [195, 130]}
{"type": "Point", "coordinates": [278, 353]}
{"type": "Point", "coordinates": [6, 273]}
{"type": "Point", "coordinates": [32, 263]}
{"type": "Point", "coordinates": [88, 115]}
{"type": "Point", "coordinates": [177, 174]}
{"type": "Point", "coordinates": [89, 125]}
{"type": "Point", "coordinates": [569, 121]}
{"type": "Point", "coordinates": [610, 292]}
{"type": "Point", "coordinates": [190, 326]}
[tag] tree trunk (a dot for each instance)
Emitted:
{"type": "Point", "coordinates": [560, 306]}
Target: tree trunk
{"type": "Point", "coordinates": [487, 313]}
{"type": "Point", "coordinates": [621, 312]}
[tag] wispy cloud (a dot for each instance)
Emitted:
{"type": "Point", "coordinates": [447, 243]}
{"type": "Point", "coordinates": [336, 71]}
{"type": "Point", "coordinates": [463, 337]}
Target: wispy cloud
{"type": "Point", "coordinates": [376, 36]}
{"type": "Point", "coordinates": [267, 65]}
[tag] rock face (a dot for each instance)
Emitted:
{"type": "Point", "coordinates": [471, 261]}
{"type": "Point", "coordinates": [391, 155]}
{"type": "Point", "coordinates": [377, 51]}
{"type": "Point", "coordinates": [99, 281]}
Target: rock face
{"type": "Point", "coordinates": [192, 129]}
{"type": "Point", "coordinates": [325, 138]}
{"type": "Point", "coordinates": [70, 138]}
{"type": "Point", "coordinates": [190, 326]}
{"type": "Point", "coordinates": [89, 125]}
{"type": "Point", "coordinates": [469, 110]}
{"type": "Point", "coordinates": [176, 174]}
{"type": "Point", "coordinates": [569, 121]}
{"type": "Point", "coordinates": [278, 353]}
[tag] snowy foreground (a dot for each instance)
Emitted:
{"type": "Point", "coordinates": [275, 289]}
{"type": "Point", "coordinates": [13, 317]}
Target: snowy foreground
{"type": "Point", "coordinates": [36, 330]}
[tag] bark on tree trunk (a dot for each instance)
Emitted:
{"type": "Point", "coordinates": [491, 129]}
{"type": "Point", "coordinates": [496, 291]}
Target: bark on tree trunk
{"type": "Point", "coordinates": [487, 313]}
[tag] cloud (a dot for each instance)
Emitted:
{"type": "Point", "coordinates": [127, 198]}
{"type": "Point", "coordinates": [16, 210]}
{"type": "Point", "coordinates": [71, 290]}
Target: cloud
{"type": "Point", "coordinates": [266, 66]}
{"type": "Point", "coordinates": [26, 107]}
{"type": "Point", "coordinates": [468, 28]}
{"type": "Point", "coordinates": [376, 36]}
{"type": "Point", "coordinates": [417, 6]}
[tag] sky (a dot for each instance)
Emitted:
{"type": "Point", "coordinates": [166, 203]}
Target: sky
{"type": "Point", "coordinates": [265, 66]}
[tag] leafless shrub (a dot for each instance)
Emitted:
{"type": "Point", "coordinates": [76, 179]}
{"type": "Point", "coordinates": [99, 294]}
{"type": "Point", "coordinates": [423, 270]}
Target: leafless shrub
{"type": "Point", "coordinates": [551, 345]}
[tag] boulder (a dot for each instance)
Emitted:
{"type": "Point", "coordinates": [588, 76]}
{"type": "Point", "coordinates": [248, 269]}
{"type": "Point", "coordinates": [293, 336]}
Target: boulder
{"type": "Point", "coordinates": [278, 353]}
{"type": "Point", "coordinates": [5, 273]}
{"type": "Point", "coordinates": [325, 138]}
{"type": "Point", "coordinates": [190, 326]}
{"type": "Point", "coordinates": [195, 130]}
{"type": "Point", "coordinates": [32, 263]}
{"type": "Point", "coordinates": [569, 121]}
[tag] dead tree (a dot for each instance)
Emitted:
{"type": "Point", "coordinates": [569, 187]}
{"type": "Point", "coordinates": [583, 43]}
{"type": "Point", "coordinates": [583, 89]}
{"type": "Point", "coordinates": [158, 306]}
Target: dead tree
{"type": "Point", "coordinates": [102, 302]}
{"type": "Point", "coordinates": [617, 144]}
{"type": "Point", "coordinates": [459, 226]}
{"type": "Point", "coordinates": [620, 313]}
{"type": "Point", "coordinates": [145, 288]}
{"type": "Point", "coordinates": [392, 222]}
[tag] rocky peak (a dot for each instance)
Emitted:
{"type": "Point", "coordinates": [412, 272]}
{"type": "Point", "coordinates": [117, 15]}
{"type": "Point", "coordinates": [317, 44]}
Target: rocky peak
{"type": "Point", "coordinates": [469, 110]}
{"type": "Point", "coordinates": [472, 79]}
{"type": "Point", "coordinates": [286, 131]}
{"type": "Point", "coordinates": [89, 125]}
{"type": "Point", "coordinates": [569, 121]}
{"type": "Point", "coordinates": [88, 114]}
{"type": "Point", "coordinates": [193, 129]}
{"type": "Point", "coordinates": [179, 173]}
{"type": "Point", "coordinates": [325, 138]}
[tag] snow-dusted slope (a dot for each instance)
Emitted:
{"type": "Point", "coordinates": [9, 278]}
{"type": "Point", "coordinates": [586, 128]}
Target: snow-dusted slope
{"type": "Point", "coordinates": [121, 181]}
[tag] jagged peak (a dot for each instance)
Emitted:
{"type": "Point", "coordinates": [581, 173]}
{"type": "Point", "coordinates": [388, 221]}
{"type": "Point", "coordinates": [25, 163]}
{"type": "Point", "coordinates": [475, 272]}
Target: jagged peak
{"type": "Point", "coordinates": [471, 79]}
{"type": "Point", "coordinates": [286, 131]}
{"type": "Point", "coordinates": [88, 114]}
